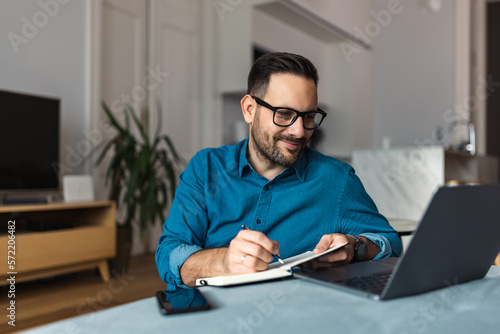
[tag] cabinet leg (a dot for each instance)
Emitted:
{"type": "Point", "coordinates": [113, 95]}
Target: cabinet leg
{"type": "Point", "coordinates": [104, 270]}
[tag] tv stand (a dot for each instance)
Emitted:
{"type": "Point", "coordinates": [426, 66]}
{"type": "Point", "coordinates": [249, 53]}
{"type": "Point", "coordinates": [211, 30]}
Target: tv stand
{"type": "Point", "coordinates": [38, 254]}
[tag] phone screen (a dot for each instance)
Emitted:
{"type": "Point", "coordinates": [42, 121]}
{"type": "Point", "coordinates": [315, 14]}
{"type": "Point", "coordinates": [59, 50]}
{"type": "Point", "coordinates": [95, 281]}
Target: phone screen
{"type": "Point", "coordinates": [181, 301]}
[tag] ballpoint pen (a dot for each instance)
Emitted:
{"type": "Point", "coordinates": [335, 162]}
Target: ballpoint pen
{"type": "Point", "coordinates": [276, 257]}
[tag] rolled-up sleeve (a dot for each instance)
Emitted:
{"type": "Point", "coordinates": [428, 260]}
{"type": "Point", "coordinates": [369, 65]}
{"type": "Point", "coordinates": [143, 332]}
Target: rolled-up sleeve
{"type": "Point", "coordinates": [184, 231]}
{"type": "Point", "coordinates": [382, 242]}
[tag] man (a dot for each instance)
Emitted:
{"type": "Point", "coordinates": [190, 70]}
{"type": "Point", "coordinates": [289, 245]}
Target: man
{"type": "Point", "coordinates": [292, 198]}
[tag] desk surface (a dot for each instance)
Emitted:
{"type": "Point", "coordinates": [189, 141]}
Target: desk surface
{"type": "Point", "coordinates": [296, 306]}
{"type": "Point", "coordinates": [403, 226]}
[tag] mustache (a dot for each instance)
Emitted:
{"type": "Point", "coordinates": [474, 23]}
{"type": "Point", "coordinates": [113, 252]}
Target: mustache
{"type": "Point", "coordinates": [292, 139]}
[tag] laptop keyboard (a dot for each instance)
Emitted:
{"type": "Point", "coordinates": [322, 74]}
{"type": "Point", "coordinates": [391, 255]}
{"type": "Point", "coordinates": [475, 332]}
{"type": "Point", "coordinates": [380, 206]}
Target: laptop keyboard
{"type": "Point", "coordinates": [373, 283]}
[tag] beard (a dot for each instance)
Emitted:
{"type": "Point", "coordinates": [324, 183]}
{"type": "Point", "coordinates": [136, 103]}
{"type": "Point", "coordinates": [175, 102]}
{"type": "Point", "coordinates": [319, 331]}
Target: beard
{"type": "Point", "coordinates": [267, 146]}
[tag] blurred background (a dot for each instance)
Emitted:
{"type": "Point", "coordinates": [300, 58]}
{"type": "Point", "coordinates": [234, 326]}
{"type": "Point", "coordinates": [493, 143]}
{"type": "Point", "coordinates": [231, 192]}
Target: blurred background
{"type": "Point", "coordinates": [410, 87]}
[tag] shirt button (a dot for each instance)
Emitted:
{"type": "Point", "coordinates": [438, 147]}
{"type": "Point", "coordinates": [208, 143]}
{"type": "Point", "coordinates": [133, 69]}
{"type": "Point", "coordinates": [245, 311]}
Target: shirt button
{"type": "Point", "coordinates": [267, 187]}
{"type": "Point", "coordinates": [258, 221]}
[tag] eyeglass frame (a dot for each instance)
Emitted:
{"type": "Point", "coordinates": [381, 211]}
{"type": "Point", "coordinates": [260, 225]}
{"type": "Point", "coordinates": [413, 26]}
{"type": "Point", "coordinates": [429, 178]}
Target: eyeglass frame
{"type": "Point", "coordinates": [297, 113]}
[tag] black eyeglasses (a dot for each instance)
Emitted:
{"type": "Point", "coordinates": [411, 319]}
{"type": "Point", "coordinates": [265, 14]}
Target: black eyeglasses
{"type": "Point", "coordinates": [285, 116]}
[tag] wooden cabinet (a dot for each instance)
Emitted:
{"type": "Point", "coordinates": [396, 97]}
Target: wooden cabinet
{"type": "Point", "coordinates": [88, 243]}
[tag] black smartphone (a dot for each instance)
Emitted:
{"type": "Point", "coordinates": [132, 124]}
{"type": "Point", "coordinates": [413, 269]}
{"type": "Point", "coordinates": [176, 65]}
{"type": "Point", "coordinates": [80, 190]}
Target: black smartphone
{"type": "Point", "coordinates": [182, 301]}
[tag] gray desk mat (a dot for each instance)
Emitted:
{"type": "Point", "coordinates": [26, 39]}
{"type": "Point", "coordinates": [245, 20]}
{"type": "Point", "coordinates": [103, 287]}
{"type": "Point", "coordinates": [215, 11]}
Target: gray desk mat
{"type": "Point", "coordinates": [297, 306]}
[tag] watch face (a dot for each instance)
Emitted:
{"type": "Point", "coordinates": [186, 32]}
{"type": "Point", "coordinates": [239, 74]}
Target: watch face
{"type": "Point", "coordinates": [361, 250]}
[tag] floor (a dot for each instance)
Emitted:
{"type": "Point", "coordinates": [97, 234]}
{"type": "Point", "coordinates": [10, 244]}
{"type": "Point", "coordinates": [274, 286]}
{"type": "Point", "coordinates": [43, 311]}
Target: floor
{"type": "Point", "coordinates": [44, 301]}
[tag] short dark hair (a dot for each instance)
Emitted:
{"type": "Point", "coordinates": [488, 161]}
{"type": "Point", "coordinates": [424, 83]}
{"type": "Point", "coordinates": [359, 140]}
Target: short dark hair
{"type": "Point", "coordinates": [278, 62]}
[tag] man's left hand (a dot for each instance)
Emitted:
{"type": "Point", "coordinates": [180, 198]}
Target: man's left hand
{"type": "Point", "coordinates": [341, 256]}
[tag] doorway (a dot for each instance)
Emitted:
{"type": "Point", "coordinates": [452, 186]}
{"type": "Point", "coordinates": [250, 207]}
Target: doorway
{"type": "Point", "coordinates": [493, 69]}
{"type": "Point", "coordinates": [485, 76]}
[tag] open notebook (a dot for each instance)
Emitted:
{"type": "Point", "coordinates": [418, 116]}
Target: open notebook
{"type": "Point", "coordinates": [275, 270]}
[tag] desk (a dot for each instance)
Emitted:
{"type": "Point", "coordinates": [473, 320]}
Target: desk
{"type": "Point", "coordinates": [296, 306]}
{"type": "Point", "coordinates": [403, 227]}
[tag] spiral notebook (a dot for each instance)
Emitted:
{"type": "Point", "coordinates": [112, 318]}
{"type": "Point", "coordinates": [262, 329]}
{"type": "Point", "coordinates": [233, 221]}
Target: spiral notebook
{"type": "Point", "coordinates": [276, 270]}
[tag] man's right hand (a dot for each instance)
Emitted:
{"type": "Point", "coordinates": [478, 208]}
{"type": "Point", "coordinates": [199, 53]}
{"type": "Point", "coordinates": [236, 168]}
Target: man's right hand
{"type": "Point", "coordinates": [249, 252]}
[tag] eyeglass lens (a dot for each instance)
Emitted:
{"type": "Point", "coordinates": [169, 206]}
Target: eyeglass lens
{"type": "Point", "coordinates": [285, 117]}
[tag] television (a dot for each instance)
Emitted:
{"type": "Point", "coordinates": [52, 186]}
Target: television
{"type": "Point", "coordinates": [29, 144]}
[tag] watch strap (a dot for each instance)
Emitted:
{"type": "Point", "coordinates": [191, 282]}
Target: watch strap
{"type": "Point", "coordinates": [359, 249]}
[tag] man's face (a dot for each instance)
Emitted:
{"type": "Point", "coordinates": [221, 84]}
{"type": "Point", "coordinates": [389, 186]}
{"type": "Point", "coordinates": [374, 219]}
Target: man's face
{"type": "Point", "coordinates": [282, 145]}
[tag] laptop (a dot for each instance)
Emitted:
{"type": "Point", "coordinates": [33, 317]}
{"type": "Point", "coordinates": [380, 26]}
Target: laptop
{"type": "Point", "coordinates": [456, 241]}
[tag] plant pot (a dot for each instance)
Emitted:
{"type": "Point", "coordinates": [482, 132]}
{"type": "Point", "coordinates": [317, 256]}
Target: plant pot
{"type": "Point", "coordinates": [123, 247]}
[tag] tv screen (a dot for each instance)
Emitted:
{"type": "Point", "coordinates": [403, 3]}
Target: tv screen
{"type": "Point", "coordinates": [29, 141]}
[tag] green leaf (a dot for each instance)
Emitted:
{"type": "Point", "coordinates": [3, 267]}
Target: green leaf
{"type": "Point", "coordinates": [143, 214]}
{"type": "Point", "coordinates": [143, 170]}
{"type": "Point", "coordinates": [113, 121]}
{"type": "Point", "coordinates": [104, 150]}
{"type": "Point", "coordinates": [132, 186]}
{"type": "Point", "coordinates": [138, 124]}
{"type": "Point", "coordinates": [127, 122]}
{"type": "Point", "coordinates": [177, 157]}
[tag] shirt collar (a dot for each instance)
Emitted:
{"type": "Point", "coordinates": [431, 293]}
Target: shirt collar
{"type": "Point", "coordinates": [243, 158]}
{"type": "Point", "coordinates": [299, 167]}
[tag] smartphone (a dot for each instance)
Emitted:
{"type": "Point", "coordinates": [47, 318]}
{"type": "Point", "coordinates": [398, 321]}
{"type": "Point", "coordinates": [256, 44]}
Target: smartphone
{"type": "Point", "coordinates": [182, 301]}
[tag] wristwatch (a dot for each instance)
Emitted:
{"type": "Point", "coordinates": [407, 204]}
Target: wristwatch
{"type": "Point", "coordinates": [359, 249]}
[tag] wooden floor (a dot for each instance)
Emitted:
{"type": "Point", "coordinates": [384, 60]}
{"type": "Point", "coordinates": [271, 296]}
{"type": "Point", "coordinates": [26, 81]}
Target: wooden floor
{"type": "Point", "coordinates": [44, 301]}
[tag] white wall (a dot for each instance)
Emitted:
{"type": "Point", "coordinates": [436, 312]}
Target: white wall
{"type": "Point", "coordinates": [400, 89]}
{"type": "Point", "coordinates": [345, 84]}
{"type": "Point", "coordinates": [413, 73]}
{"type": "Point", "coordinates": [350, 121]}
{"type": "Point", "coordinates": [405, 86]}
{"type": "Point", "coordinates": [48, 57]}
{"type": "Point", "coordinates": [345, 14]}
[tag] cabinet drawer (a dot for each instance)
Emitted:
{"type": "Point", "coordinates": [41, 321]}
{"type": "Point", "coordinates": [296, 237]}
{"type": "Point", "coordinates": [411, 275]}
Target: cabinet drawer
{"type": "Point", "coordinates": [44, 250]}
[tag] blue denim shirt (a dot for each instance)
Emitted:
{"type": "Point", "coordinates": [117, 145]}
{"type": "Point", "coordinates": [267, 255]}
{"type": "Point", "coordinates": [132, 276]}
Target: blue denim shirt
{"type": "Point", "coordinates": [219, 191]}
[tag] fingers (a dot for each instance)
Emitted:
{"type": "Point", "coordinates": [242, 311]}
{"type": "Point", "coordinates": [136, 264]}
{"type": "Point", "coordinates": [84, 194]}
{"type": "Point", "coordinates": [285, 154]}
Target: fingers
{"type": "Point", "coordinates": [250, 251]}
{"type": "Point", "coordinates": [340, 256]}
{"type": "Point", "coordinates": [329, 241]}
{"type": "Point", "coordinates": [343, 255]}
{"type": "Point", "coordinates": [249, 263]}
{"type": "Point", "coordinates": [259, 239]}
{"type": "Point", "coordinates": [324, 243]}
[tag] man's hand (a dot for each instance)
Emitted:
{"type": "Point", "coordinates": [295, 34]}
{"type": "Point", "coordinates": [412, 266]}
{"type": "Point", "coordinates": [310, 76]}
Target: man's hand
{"type": "Point", "coordinates": [248, 252]}
{"type": "Point", "coordinates": [343, 255]}
{"type": "Point", "coordinates": [340, 256]}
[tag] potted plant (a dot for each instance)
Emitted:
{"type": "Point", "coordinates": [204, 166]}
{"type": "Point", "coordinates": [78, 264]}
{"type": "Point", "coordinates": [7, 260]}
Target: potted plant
{"type": "Point", "coordinates": [143, 173]}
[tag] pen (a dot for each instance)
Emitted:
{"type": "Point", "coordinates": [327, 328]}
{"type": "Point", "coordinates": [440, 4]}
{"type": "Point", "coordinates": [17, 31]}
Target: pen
{"type": "Point", "coordinates": [276, 257]}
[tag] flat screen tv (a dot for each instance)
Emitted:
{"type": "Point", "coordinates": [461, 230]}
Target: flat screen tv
{"type": "Point", "coordinates": [29, 143]}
